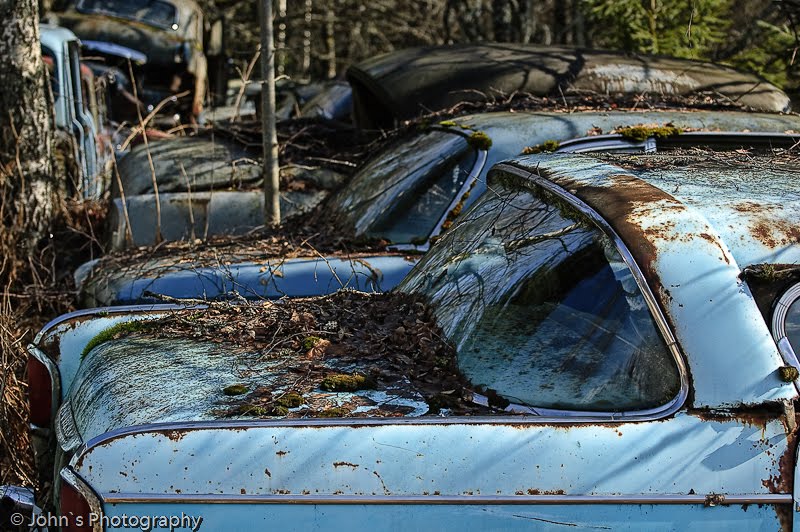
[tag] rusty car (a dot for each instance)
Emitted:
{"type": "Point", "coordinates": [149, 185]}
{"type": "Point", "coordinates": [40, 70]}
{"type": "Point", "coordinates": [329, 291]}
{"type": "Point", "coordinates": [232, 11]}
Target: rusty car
{"type": "Point", "coordinates": [606, 339]}
{"type": "Point", "coordinates": [170, 46]}
{"type": "Point", "coordinates": [405, 196]}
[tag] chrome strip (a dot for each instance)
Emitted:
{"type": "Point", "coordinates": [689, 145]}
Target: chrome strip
{"type": "Point", "coordinates": [787, 299]}
{"type": "Point", "coordinates": [778, 327]}
{"type": "Point", "coordinates": [55, 380]}
{"type": "Point", "coordinates": [767, 498]}
{"type": "Point", "coordinates": [615, 141]}
{"type": "Point", "coordinates": [92, 498]}
{"type": "Point", "coordinates": [101, 312]}
{"type": "Point", "coordinates": [650, 299]}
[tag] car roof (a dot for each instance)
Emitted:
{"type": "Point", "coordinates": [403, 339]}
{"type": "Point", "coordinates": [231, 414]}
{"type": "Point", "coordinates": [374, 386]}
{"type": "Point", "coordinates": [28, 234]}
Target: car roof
{"type": "Point", "coordinates": [692, 222]}
{"type": "Point", "coordinates": [402, 84]}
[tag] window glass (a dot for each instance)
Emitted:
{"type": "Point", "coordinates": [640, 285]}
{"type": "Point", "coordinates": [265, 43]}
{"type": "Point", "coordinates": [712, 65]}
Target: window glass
{"type": "Point", "coordinates": [153, 12]}
{"type": "Point", "coordinates": [543, 310]}
{"type": "Point", "coordinates": [402, 193]}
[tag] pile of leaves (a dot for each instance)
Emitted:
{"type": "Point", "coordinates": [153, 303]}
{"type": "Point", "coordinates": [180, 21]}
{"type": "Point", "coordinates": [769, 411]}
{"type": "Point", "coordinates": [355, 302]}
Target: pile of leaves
{"type": "Point", "coordinates": [344, 342]}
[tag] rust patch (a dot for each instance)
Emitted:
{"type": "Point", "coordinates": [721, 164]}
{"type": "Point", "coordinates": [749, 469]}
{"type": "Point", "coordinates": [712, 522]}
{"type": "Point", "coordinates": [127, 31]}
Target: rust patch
{"type": "Point", "coordinates": [282, 453]}
{"type": "Point", "coordinates": [532, 491]}
{"type": "Point", "coordinates": [754, 417]}
{"type": "Point", "coordinates": [345, 464]}
{"type": "Point", "coordinates": [174, 435]}
{"type": "Point", "coordinates": [616, 203]}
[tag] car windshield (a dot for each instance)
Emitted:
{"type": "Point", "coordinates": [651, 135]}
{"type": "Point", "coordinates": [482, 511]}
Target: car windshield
{"type": "Point", "coordinates": [543, 310]}
{"type": "Point", "coordinates": [152, 12]}
{"type": "Point", "coordinates": [401, 194]}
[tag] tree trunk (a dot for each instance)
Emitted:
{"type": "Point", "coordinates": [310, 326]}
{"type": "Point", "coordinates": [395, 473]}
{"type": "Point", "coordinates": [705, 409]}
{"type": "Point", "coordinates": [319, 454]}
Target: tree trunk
{"type": "Point", "coordinates": [26, 131]}
{"type": "Point", "coordinates": [271, 170]}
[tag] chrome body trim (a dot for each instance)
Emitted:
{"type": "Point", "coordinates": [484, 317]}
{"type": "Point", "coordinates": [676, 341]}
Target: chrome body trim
{"type": "Point", "coordinates": [105, 311]}
{"type": "Point", "coordinates": [92, 498]}
{"type": "Point", "coordinates": [117, 498]}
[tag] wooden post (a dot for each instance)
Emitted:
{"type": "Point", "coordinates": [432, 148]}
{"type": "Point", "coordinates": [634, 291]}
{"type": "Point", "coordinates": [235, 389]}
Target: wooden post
{"type": "Point", "coordinates": [271, 171]}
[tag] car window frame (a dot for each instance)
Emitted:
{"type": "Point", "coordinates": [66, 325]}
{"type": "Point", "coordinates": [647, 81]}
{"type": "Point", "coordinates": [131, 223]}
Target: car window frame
{"type": "Point", "coordinates": [780, 312]}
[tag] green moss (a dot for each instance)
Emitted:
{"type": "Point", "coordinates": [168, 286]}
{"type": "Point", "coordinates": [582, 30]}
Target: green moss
{"type": "Point", "coordinates": [290, 400]}
{"type": "Point", "coordinates": [337, 411]}
{"type": "Point", "coordinates": [447, 123]}
{"type": "Point", "coordinates": [235, 389]}
{"type": "Point", "coordinates": [479, 141]}
{"type": "Point", "coordinates": [112, 333]}
{"type": "Point", "coordinates": [788, 373]}
{"type": "Point", "coordinates": [279, 411]}
{"type": "Point", "coordinates": [642, 133]}
{"type": "Point", "coordinates": [310, 342]}
{"type": "Point", "coordinates": [545, 147]}
{"type": "Point", "coordinates": [253, 410]}
{"type": "Point", "coordinates": [342, 382]}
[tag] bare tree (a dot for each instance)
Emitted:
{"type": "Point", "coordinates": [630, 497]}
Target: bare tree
{"type": "Point", "coordinates": [272, 207]}
{"type": "Point", "coordinates": [26, 132]}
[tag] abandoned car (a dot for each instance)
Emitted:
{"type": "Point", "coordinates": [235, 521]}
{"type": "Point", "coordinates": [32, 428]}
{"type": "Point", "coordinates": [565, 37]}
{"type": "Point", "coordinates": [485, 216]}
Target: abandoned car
{"type": "Point", "coordinates": [171, 45]}
{"type": "Point", "coordinates": [405, 84]}
{"type": "Point", "coordinates": [604, 340]}
{"type": "Point", "coordinates": [406, 195]}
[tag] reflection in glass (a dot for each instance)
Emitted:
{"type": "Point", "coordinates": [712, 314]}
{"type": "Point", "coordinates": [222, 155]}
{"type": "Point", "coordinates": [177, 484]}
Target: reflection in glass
{"type": "Point", "coordinates": [542, 309]}
{"type": "Point", "coordinates": [402, 193]}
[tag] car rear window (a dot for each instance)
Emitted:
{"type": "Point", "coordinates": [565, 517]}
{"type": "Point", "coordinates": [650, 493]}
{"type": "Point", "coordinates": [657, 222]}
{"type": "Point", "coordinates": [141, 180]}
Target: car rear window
{"type": "Point", "coordinates": [543, 310]}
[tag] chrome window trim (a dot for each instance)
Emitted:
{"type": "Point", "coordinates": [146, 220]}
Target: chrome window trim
{"type": "Point", "coordinates": [610, 142]}
{"type": "Point", "coordinates": [55, 381]}
{"type": "Point", "coordinates": [102, 312]}
{"type": "Point", "coordinates": [778, 324]}
{"type": "Point", "coordinates": [93, 499]}
{"type": "Point", "coordinates": [615, 141]}
{"type": "Point", "coordinates": [765, 498]}
{"type": "Point", "coordinates": [475, 172]}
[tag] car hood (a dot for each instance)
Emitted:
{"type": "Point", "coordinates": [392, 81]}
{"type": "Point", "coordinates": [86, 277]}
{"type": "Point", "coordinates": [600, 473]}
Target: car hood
{"type": "Point", "coordinates": [262, 278]}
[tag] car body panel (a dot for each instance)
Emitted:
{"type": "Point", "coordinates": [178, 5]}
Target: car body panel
{"type": "Point", "coordinates": [409, 468]}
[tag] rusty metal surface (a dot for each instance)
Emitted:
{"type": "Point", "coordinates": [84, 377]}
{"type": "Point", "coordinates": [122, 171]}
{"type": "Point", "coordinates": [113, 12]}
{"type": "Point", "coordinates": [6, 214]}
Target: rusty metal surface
{"type": "Point", "coordinates": [692, 266]}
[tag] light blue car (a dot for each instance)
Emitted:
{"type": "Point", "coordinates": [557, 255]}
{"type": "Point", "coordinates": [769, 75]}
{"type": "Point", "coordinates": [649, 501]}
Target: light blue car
{"type": "Point", "coordinates": [628, 321]}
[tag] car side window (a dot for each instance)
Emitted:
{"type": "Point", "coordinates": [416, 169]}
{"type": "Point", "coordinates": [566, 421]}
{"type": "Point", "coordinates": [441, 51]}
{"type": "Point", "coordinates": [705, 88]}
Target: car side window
{"type": "Point", "coordinates": [543, 310]}
{"type": "Point", "coordinates": [426, 169]}
{"type": "Point", "coordinates": [414, 217]}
